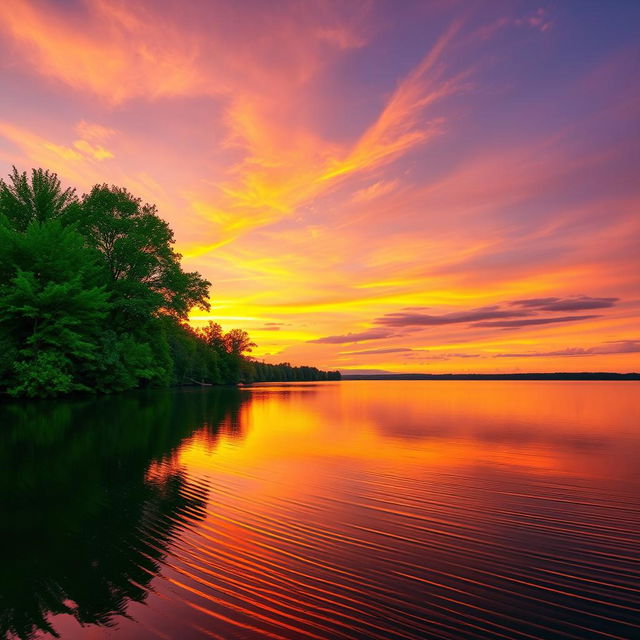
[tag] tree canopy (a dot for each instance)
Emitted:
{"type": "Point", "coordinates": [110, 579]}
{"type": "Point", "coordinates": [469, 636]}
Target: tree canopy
{"type": "Point", "coordinates": [142, 269]}
{"type": "Point", "coordinates": [40, 198]}
{"type": "Point", "coordinates": [93, 297]}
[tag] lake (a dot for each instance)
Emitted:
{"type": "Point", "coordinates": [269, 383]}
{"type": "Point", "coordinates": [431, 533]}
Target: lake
{"type": "Point", "coordinates": [359, 509]}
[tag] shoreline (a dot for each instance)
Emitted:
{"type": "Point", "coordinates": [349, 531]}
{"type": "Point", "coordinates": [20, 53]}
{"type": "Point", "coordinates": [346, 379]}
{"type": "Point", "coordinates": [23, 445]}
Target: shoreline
{"type": "Point", "coordinates": [602, 376]}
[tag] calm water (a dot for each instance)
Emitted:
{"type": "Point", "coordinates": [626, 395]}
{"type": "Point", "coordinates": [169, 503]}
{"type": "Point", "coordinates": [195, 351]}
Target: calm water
{"type": "Point", "coordinates": [387, 510]}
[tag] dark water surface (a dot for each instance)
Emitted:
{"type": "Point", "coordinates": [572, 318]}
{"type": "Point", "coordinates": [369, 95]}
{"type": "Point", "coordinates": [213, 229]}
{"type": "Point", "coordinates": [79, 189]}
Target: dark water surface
{"type": "Point", "coordinates": [387, 510]}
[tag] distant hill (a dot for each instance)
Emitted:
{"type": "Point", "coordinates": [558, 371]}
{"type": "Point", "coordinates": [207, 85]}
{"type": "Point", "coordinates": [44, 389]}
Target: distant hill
{"type": "Point", "coordinates": [493, 376]}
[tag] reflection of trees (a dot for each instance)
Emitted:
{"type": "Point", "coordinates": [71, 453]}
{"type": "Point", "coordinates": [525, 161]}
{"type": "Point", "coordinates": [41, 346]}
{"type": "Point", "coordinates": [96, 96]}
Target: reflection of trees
{"type": "Point", "coordinates": [90, 499]}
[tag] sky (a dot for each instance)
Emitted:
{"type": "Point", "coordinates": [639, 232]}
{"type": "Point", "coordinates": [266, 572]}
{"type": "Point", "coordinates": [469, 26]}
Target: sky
{"type": "Point", "coordinates": [432, 186]}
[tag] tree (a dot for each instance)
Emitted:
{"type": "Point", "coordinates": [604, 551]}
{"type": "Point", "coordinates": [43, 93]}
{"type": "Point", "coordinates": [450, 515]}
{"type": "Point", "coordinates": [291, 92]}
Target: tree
{"type": "Point", "coordinates": [51, 308]}
{"type": "Point", "coordinates": [237, 341]}
{"type": "Point", "coordinates": [211, 334]}
{"type": "Point", "coordinates": [41, 199]}
{"type": "Point", "coordinates": [143, 271]}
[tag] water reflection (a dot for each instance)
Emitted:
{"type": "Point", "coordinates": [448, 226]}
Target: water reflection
{"type": "Point", "coordinates": [357, 510]}
{"type": "Point", "coordinates": [91, 495]}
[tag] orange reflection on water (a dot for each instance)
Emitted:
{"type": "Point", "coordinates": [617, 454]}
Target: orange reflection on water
{"type": "Point", "coordinates": [429, 509]}
{"type": "Point", "coordinates": [464, 510]}
{"type": "Point", "coordinates": [535, 425]}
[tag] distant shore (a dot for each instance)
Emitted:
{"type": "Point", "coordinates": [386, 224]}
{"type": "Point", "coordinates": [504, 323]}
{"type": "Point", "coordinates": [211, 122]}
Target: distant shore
{"type": "Point", "coordinates": [494, 376]}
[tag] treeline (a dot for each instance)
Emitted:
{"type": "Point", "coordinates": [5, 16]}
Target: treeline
{"type": "Point", "coordinates": [207, 355]}
{"type": "Point", "coordinates": [93, 298]}
{"type": "Point", "coordinates": [284, 372]}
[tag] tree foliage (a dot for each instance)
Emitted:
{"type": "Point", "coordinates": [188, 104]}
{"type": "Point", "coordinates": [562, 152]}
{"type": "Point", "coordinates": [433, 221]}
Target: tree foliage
{"type": "Point", "coordinates": [52, 308]}
{"type": "Point", "coordinates": [41, 198]}
{"type": "Point", "coordinates": [142, 269]}
{"type": "Point", "coordinates": [93, 297]}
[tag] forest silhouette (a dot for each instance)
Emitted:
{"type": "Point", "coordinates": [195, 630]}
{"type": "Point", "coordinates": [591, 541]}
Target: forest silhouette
{"type": "Point", "coordinates": [93, 297]}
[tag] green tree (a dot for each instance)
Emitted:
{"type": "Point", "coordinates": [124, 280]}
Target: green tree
{"type": "Point", "coordinates": [237, 342]}
{"type": "Point", "coordinates": [51, 308]}
{"type": "Point", "coordinates": [211, 334]}
{"type": "Point", "coordinates": [142, 269]}
{"type": "Point", "coordinates": [125, 362]}
{"type": "Point", "coordinates": [38, 199]}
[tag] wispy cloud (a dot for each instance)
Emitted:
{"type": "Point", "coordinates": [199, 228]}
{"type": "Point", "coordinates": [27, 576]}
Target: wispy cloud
{"type": "Point", "coordinates": [532, 322]}
{"type": "Point", "coordinates": [362, 336]}
{"type": "Point", "coordinates": [371, 352]}
{"type": "Point", "coordinates": [76, 160]}
{"type": "Point", "coordinates": [577, 303]}
{"type": "Point", "coordinates": [285, 167]}
{"type": "Point", "coordinates": [412, 319]}
{"type": "Point", "coordinates": [512, 314]}
{"type": "Point", "coordinates": [110, 49]}
{"type": "Point", "coordinates": [608, 348]}
{"type": "Point", "coordinates": [538, 19]}
{"type": "Point", "coordinates": [374, 191]}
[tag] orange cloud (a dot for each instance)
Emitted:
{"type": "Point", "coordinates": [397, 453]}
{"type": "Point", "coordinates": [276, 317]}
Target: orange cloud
{"type": "Point", "coordinates": [286, 167]}
{"type": "Point", "coordinates": [115, 52]}
{"type": "Point", "coordinates": [95, 151]}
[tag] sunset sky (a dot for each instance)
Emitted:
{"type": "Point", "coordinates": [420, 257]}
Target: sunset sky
{"type": "Point", "coordinates": [430, 186]}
